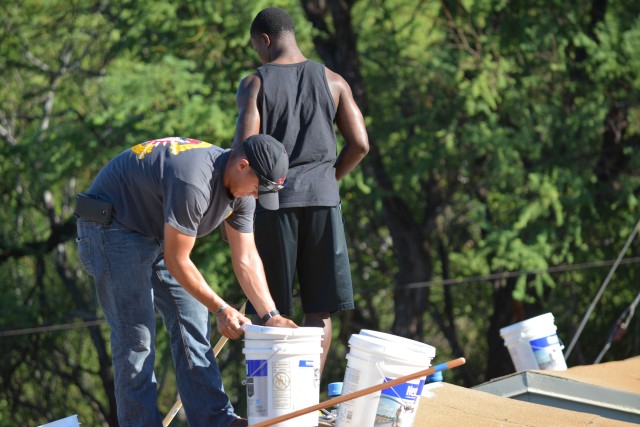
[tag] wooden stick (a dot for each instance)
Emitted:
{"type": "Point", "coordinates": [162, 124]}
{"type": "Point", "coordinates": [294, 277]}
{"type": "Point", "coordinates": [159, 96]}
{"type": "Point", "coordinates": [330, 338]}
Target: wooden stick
{"type": "Point", "coordinates": [216, 349]}
{"type": "Point", "coordinates": [337, 400]}
{"type": "Point", "coordinates": [172, 412]}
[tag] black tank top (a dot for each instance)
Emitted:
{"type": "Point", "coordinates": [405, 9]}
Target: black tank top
{"type": "Point", "coordinates": [298, 110]}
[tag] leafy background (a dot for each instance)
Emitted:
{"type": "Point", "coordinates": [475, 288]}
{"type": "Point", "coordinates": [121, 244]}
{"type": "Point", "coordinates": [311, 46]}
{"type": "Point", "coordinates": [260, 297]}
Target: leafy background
{"type": "Point", "coordinates": [502, 180]}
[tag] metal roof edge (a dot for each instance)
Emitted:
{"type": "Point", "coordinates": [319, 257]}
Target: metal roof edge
{"type": "Point", "coordinates": [539, 383]}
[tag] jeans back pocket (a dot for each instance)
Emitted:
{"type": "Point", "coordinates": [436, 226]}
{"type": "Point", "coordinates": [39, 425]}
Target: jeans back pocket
{"type": "Point", "coordinates": [84, 253]}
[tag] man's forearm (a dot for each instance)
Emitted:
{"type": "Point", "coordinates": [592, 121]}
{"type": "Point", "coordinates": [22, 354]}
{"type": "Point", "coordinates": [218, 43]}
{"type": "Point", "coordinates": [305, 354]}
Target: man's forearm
{"type": "Point", "coordinates": [193, 282]}
{"type": "Point", "coordinates": [347, 160]}
{"type": "Point", "coordinates": [250, 274]}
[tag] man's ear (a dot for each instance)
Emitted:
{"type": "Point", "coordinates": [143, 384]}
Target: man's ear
{"type": "Point", "coordinates": [243, 164]}
{"type": "Point", "coordinates": [265, 39]}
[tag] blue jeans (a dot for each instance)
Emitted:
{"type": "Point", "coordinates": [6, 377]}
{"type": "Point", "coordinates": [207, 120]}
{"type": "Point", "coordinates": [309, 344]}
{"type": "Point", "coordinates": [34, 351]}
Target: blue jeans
{"type": "Point", "coordinates": [131, 278]}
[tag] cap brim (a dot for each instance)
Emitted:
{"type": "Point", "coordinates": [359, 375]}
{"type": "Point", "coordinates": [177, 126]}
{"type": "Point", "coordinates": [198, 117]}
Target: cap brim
{"type": "Point", "coordinates": [268, 199]}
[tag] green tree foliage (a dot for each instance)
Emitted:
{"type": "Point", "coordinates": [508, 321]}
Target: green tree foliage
{"type": "Point", "coordinates": [83, 81]}
{"type": "Point", "coordinates": [499, 144]}
{"type": "Point", "coordinates": [504, 139]}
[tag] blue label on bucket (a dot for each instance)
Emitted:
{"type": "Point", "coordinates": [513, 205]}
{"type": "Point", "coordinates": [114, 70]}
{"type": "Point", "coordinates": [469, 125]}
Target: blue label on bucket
{"type": "Point", "coordinates": [548, 353]}
{"type": "Point", "coordinates": [397, 405]}
{"type": "Point", "coordinates": [544, 342]}
{"type": "Point", "coordinates": [306, 364]}
{"type": "Point", "coordinates": [257, 368]}
{"type": "Point", "coordinates": [405, 391]}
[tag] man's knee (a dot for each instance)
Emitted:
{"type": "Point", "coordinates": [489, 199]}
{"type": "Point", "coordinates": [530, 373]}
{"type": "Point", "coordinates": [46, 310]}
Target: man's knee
{"type": "Point", "coordinates": [317, 319]}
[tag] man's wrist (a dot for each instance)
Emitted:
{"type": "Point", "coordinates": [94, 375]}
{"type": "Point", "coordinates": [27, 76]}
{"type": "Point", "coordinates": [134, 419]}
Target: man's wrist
{"type": "Point", "coordinates": [221, 308]}
{"type": "Point", "coordinates": [269, 315]}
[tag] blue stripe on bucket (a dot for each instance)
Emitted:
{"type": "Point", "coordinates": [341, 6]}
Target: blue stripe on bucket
{"type": "Point", "coordinates": [545, 341]}
{"type": "Point", "coordinates": [257, 368]}
{"type": "Point", "coordinates": [305, 364]}
{"type": "Point", "coordinates": [405, 391]}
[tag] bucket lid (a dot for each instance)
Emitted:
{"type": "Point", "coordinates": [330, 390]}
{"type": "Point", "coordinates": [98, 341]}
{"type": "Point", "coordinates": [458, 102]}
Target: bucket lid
{"type": "Point", "coordinates": [535, 322]}
{"type": "Point", "coordinates": [393, 349]}
{"type": "Point", "coordinates": [413, 344]}
{"type": "Point", "coordinates": [269, 332]}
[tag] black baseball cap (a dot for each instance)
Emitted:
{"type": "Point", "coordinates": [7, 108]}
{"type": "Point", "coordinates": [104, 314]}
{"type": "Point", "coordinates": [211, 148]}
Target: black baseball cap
{"type": "Point", "coordinates": [270, 161]}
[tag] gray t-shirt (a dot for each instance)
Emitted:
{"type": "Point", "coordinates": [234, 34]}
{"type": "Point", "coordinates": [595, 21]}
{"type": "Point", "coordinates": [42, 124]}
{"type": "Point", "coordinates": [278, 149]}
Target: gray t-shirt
{"type": "Point", "coordinates": [179, 181]}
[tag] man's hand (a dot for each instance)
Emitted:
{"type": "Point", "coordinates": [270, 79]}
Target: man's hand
{"type": "Point", "coordinates": [280, 321]}
{"type": "Point", "coordinates": [230, 321]}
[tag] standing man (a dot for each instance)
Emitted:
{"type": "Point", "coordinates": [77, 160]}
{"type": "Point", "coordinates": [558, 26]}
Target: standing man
{"type": "Point", "coordinates": [136, 230]}
{"type": "Point", "coordinates": [297, 101]}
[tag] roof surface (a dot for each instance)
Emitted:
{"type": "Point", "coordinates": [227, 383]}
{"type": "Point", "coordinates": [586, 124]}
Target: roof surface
{"type": "Point", "coordinates": [452, 405]}
{"type": "Point", "coordinates": [621, 375]}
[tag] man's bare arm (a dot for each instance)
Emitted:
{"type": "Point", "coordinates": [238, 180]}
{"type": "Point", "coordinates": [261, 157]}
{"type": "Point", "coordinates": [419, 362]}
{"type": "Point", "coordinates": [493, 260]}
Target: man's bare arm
{"type": "Point", "coordinates": [248, 122]}
{"type": "Point", "coordinates": [177, 251]}
{"type": "Point", "coordinates": [247, 265]}
{"type": "Point", "coordinates": [350, 124]}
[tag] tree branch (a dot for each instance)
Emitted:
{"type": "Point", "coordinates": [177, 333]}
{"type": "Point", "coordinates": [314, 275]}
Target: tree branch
{"type": "Point", "coordinates": [59, 234]}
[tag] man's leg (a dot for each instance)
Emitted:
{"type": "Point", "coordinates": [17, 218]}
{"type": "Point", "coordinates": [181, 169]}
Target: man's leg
{"type": "Point", "coordinates": [321, 320]}
{"type": "Point", "coordinates": [323, 269]}
{"type": "Point", "coordinates": [120, 261]}
{"type": "Point", "coordinates": [277, 243]}
{"type": "Point", "coordinates": [197, 372]}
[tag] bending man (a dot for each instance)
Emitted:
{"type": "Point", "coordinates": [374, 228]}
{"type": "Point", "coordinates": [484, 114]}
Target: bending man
{"type": "Point", "coordinates": [136, 232]}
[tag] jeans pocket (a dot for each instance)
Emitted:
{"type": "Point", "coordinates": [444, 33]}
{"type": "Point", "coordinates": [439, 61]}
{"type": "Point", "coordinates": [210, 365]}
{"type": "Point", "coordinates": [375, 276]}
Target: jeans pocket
{"type": "Point", "coordinates": [84, 254]}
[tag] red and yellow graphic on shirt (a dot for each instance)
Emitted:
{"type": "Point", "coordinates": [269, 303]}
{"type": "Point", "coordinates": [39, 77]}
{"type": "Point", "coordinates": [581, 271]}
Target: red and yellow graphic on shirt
{"type": "Point", "coordinates": [177, 145]}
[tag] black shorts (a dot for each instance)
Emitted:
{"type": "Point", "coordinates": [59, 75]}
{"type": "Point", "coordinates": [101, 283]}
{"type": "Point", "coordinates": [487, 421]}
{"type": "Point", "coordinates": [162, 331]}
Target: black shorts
{"type": "Point", "coordinates": [308, 242]}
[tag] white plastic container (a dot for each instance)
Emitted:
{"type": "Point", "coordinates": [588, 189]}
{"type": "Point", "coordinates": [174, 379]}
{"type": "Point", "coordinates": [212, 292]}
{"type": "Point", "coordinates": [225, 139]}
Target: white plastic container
{"type": "Point", "coordinates": [402, 341]}
{"type": "Point", "coordinates": [266, 337]}
{"type": "Point", "coordinates": [373, 359]}
{"type": "Point", "coordinates": [71, 421]}
{"type": "Point", "coordinates": [534, 344]}
{"type": "Point", "coordinates": [283, 373]}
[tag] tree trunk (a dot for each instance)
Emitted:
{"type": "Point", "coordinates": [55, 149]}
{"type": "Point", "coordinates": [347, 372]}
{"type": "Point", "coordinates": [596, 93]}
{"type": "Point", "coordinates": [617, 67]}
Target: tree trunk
{"type": "Point", "coordinates": [338, 52]}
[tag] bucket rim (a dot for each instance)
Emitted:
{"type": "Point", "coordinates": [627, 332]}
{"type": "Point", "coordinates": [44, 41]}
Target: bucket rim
{"type": "Point", "coordinates": [531, 323]}
{"type": "Point", "coordinates": [390, 348]}
{"type": "Point", "coordinates": [420, 346]}
{"type": "Point", "coordinates": [388, 362]}
{"type": "Point", "coordinates": [288, 350]}
{"type": "Point", "coordinates": [303, 331]}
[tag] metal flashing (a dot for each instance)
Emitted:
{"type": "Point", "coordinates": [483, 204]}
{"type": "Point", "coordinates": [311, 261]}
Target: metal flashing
{"type": "Point", "coordinates": [546, 389]}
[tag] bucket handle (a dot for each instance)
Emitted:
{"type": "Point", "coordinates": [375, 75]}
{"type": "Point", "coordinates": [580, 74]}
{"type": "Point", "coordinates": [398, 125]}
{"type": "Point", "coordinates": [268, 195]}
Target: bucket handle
{"type": "Point", "coordinates": [385, 380]}
{"type": "Point", "coordinates": [384, 377]}
{"type": "Point", "coordinates": [277, 350]}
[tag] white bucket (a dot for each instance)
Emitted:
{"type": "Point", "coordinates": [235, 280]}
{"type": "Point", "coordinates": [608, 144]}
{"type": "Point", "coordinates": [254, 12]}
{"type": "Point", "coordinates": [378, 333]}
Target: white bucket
{"type": "Point", "coordinates": [405, 342]}
{"type": "Point", "coordinates": [266, 337]}
{"type": "Point", "coordinates": [373, 359]}
{"type": "Point", "coordinates": [71, 421]}
{"type": "Point", "coordinates": [283, 373]}
{"type": "Point", "coordinates": [534, 344]}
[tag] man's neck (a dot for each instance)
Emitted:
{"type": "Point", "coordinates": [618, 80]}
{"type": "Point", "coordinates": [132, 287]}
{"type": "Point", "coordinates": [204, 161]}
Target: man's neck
{"type": "Point", "coordinates": [286, 52]}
